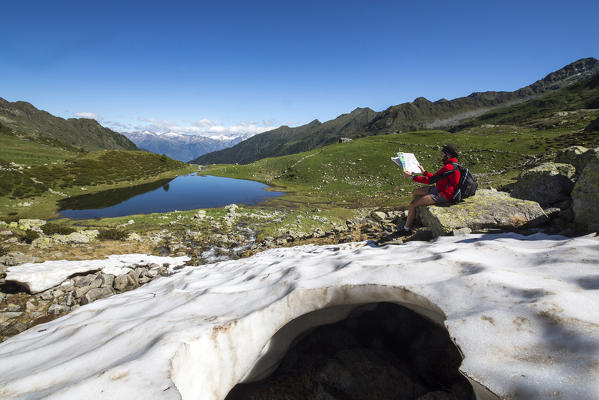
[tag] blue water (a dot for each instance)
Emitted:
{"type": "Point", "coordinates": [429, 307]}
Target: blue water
{"type": "Point", "coordinates": [186, 192]}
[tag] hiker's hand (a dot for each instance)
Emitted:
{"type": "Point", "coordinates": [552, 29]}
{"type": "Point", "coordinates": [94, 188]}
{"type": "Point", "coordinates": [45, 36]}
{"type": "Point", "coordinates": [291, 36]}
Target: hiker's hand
{"type": "Point", "coordinates": [421, 168]}
{"type": "Point", "coordinates": [407, 174]}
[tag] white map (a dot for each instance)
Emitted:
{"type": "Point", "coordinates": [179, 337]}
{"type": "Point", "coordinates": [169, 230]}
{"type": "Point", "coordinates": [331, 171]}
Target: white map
{"type": "Point", "coordinates": [407, 161]}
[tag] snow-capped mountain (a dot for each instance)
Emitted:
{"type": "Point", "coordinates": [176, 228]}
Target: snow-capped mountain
{"type": "Point", "coordinates": [182, 147]}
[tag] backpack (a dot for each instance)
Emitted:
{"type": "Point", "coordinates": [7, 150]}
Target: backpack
{"type": "Point", "coordinates": [466, 186]}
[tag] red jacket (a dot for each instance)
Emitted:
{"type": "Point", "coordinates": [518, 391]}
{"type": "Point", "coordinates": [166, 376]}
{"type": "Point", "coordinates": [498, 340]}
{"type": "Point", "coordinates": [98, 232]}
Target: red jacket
{"type": "Point", "coordinates": [445, 185]}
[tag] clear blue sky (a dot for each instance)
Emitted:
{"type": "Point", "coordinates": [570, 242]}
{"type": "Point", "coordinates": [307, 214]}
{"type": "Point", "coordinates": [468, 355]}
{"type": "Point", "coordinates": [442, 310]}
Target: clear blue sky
{"type": "Point", "coordinates": [277, 62]}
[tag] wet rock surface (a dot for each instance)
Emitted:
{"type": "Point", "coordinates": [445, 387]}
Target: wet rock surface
{"type": "Point", "coordinates": [379, 352]}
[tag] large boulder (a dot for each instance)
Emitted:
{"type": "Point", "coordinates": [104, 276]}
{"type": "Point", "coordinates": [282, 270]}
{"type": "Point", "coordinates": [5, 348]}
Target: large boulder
{"type": "Point", "coordinates": [593, 126]}
{"type": "Point", "coordinates": [585, 197]}
{"type": "Point", "coordinates": [578, 156]}
{"type": "Point", "coordinates": [487, 210]}
{"type": "Point", "coordinates": [546, 183]}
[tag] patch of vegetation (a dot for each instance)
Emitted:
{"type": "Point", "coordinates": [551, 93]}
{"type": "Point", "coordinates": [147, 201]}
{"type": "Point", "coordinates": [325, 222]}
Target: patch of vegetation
{"type": "Point", "coordinates": [105, 167]}
{"type": "Point", "coordinates": [10, 218]}
{"type": "Point", "coordinates": [29, 236]}
{"type": "Point", "coordinates": [51, 228]}
{"type": "Point", "coordinates": [113, 234]}
{"type": "Point", "coordinates": [3, 251]}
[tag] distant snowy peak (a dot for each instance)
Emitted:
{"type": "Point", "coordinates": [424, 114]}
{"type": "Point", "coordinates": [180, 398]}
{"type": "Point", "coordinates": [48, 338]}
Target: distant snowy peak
{"type": "Point", "coordinates": [180, 146]}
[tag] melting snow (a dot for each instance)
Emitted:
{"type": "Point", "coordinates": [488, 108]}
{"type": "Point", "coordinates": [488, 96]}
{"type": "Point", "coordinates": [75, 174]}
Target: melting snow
{"type": "Point", "coordinates": [523, 311]}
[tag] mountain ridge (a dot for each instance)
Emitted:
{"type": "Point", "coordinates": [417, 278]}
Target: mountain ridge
{"type": "Point", "coordinates": [419, 114]}
{"type": "Point", "coordinates": [24, 119]}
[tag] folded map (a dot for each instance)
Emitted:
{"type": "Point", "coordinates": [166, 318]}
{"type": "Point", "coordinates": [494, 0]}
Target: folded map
{"type": "Point", "coordinates": [407, 161]}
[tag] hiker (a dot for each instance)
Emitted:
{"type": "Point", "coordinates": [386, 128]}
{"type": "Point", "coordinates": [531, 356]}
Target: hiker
{"type": "Point", "coordinates": [442, 192]}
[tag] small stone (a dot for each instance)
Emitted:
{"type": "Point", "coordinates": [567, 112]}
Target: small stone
{"type": "Point", "coordinates": [13, 307]}
{"type": "Point", "coordinates": [84, 280]}
{"type": "Point", "coordinates": [69, 299]}
{"type": "Point", "coordinates": [96, 283]}
{"type": "Point", "coordinates": [80, 292]}
{"type": "Point", "coordinates": [47, 295]}
{"type": "Point", "coordinates": [30, 306]}
{"type": "Point", "coordinates": [107, 280]}
{"type": "Point", "coordinates": [66, 285]}
{"type": "Point", "coordinates": [57, 293]}
{"type": "Point", "coordinates": [5, 316]}
{"type": "Point", "coordinates": [95, 294]}
{"type": "Point", "coordinates": [461, 232]}
{"type": "Point", "coordinates": [15, 329]}
{"type": "Point", "coordinates": [56, 309]}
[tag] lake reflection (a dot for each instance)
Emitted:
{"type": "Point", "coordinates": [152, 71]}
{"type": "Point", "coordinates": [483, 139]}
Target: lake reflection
{"type": "Point", "coordinates": [186, 192]}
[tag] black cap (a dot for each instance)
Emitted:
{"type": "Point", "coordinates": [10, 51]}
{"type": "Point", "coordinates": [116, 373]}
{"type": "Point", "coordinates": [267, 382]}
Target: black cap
{"type": "Point", "coordinates": [450, 150]}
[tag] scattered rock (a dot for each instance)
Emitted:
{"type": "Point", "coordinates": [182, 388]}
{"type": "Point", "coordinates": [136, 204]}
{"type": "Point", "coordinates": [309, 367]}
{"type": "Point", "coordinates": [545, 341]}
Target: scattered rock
{"type": "Point", "coordinates": [56, 309]}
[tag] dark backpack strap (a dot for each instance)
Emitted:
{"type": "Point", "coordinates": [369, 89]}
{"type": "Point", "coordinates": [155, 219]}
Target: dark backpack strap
{"type": "Point", "coordinates": [445, 174]}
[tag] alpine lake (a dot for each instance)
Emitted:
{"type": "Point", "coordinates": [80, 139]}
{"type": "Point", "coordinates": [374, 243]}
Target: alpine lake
{"type": "Point", "coordinates": [185, 192]}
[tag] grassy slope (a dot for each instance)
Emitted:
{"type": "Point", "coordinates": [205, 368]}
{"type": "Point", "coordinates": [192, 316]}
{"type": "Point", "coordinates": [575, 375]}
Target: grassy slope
{"type": "Point", "coordinates": [26, 120]}
{"type": "Point", "coordinates": [360, 173]}
{"type": "Point", "coordinates": [33, 172]}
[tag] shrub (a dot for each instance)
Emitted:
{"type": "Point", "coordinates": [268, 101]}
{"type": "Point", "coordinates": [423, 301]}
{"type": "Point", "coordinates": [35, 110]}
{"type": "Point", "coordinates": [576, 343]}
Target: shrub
{"type": "Point", "coordinates": [30, 236]}
{"type": "Point", "coordinates": [3, 251]}
{"type": "Point", "coordinates": [113, 234]}
{"type": "Point", "coordinates": [51, 229]}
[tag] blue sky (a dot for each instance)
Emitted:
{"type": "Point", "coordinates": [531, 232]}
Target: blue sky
{"type": "Point", "coordinates": [222, 67]}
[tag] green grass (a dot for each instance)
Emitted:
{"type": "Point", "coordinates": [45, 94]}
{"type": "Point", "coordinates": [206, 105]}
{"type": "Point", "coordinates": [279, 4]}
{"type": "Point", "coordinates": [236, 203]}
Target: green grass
{"type": "Point", "coordinates": [360, 173]}
{"type": "Point", "coordinates": [26, 151]}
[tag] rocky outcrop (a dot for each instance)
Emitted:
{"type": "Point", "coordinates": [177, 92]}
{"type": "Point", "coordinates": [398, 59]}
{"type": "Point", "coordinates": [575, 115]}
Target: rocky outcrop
{"type": "Point", "coordinates": [487, 210]}
{"type": "Point", "coordinates": [585, 197]}
{"type": "Point", "coordinates": [546, 184]}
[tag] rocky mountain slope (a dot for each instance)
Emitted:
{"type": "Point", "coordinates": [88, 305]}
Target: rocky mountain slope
{"type": "Point", "coordinates": [419, 114]}
{"type": "Point", "coordinates": [26, 120]}
{"type": "Point", "coordinates": [181, 147]}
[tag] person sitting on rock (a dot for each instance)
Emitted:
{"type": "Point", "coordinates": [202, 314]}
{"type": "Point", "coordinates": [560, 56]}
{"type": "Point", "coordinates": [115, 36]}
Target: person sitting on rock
{"type": "Point", "coordinates": [445, 182]}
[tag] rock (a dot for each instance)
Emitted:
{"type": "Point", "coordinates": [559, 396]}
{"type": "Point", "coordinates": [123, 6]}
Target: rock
{"type": "Point", "coordinates": [75, 237]}
{"type": "Point", "coordinates": [134, 236]}
{"type": "Point", "coordinates": [378, 215]}
{"type": "Point", "coordinates": [126, 282]}
{"type": "Point", "coordinates": [571, 155]}
{"type": "Point", "coordinates": [5, 316]}
{"type": "Point", "coordinates": [585, 197]}
{"type": "Point", "coordinates": [41, 243]}
{"type": "Point", "coordinates": [56, 309]}
{"type": "Point", "coordinates": [35, 224]}
{"type": "Point", "coordinates": [546, 184]}
{"type": "Point", "coordinates": [80, 292]}
{"type": "Point", "coordinates": [107, 280]}
{"type": "Point", "coordinates": [95, 294]}
{"type": "Point", "coordinates": [488, 209]}
{"type": "Point", "coordinates": [85, 280]}
{"type": "Point", "coordinates": [593, 126]}
{"type": "Point", "coordinates": [15, 329]}
{"type": "Point", "coordinates": [16, 258]}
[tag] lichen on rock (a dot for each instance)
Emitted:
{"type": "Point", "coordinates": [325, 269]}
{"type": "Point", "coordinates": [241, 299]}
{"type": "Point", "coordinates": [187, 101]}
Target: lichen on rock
{"type": "Point", "coordinates": [488, 209]}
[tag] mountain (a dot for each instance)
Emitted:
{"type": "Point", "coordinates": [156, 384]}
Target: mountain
{"type": "Point", "coordinates": [419, 114]}
{"type": "Point", "coordinates": [181, 147]}
{"type": "Point", "coordinates": [26, 120]}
